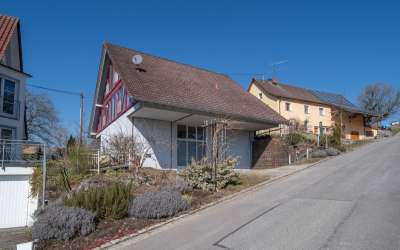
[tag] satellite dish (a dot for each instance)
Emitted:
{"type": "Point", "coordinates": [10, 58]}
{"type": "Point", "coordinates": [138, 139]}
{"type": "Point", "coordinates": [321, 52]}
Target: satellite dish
{"type": "Point", "coordinates": [137, 59]}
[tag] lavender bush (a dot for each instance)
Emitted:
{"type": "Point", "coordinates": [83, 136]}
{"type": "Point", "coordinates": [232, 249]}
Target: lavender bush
{"type": "Point", "coordinates": [63, 223]}
{"type": "Point", "coordinates": [180, 186]}
{"type": "Point", "coordinates": [332, 151]}
{"type": "Point", "coordinates": [319, 153]}
{"type": "Point", "coordinates": [158, 204]}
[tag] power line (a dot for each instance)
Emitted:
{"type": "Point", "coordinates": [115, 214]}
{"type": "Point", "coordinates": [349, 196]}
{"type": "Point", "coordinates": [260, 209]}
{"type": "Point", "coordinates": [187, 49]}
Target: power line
{"type": "Point", "coordinates": [56, 90]}
{"type": "Point", "coordinates": [81, 104]}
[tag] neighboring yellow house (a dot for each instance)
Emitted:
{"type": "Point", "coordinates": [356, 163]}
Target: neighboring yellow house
{"type": "Point", "coordinates": [313, 111]}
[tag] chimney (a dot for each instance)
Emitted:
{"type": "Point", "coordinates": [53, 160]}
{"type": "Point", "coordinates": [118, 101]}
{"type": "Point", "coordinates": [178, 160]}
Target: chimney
{"type": "Point", "coordinates": [274, 81]}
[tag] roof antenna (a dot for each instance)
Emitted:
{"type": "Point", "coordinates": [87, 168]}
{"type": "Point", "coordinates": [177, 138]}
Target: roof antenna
{"type": "Point", "coordinates": [275, 66]}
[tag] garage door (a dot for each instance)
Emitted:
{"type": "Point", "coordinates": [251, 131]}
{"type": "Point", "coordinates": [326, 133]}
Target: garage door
{"type": "Point", "coordinates": [355, 135]}
{"type": "Point", "coordinates": [14, 200]}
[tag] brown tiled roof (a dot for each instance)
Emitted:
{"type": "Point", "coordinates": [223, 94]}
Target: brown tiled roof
{"type": "Point", "coordinates": [283, 90]}
{"type": "Point", "coordinates": [181, 86]}
{"type": "Point", "coordinates": [8, 24]}
{"type": "Point", "coordinates": [278, 89]}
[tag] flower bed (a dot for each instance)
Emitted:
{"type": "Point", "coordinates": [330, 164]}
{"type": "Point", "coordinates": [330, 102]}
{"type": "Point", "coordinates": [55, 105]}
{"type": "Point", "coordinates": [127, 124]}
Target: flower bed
{"type": "Point", "coordinates": [153, 182]}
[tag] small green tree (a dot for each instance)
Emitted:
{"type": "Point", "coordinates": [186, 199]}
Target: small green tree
{"type": "Point", "coordinates": [107, 202]}
{"type": "Point", "coordinates": [335, 138]}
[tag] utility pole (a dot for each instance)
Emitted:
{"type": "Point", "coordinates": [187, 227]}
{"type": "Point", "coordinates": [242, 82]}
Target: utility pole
{"type": "Point", "coordinates": [81, 96]}
{"type": "Point", "coordinates": [81, 119]}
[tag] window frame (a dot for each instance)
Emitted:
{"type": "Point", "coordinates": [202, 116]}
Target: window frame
{"type": "Point", "coordinates": [321, 111]}
{"type": "Point", "coordinates": [288, 106]}
{"type": "Point", "coordinates": [305, 124]}
{"type": "Point", "coordinates": [199, 142]}
{"type": "Point", "coordinates": [16, 107]}
{"type": "Point", "coordinates": [13, 132]}
{"type": "Point", "coordinates": [306, 109]}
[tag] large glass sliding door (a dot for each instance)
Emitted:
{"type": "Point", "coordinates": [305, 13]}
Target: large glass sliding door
{"type": "Point", "coordinates": [191, 144]}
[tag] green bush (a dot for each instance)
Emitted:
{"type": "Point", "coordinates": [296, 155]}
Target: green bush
{"type": "Point", "coordinates": [36, 181]}
{"type": "Point", "coordinates": [78, 158]}
{"type": "Point", "coordinates": [107, 202]}
{"type": "Point", "coordinates": [294, 139]}
{"type": "Point", "coordinates": [335, 139]}
{"type": "Point", "coordinates": [200, 175]}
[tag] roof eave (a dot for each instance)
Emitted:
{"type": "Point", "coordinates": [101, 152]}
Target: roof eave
{"type": "Point", "coordinates": [16, 70]}
{"type": "Point", "coordinates": [209, 113]}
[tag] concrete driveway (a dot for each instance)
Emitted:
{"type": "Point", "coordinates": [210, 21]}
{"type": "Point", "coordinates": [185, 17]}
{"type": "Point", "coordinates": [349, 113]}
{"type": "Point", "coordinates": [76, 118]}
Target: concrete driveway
{"type": "Point", "coordinates": [9, 238]}
{"type": "Point", "coordinates": [349, 202]}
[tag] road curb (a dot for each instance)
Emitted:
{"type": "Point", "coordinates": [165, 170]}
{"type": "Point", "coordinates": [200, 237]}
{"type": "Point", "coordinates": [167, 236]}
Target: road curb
{"type": "Point", "coordinates": [224, 199]}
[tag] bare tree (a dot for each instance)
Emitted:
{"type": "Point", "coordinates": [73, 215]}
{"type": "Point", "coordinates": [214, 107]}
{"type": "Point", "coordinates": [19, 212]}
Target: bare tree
{"type": "Point", "coordinates": [42, 120]}
{"type": "Point", "coordinates": [134, 148]}
{"type": "Point", "coordinates": [380, 99]}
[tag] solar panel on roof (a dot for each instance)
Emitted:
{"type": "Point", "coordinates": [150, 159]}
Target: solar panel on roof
{"type": "Point", "coordinates": [335, 99]}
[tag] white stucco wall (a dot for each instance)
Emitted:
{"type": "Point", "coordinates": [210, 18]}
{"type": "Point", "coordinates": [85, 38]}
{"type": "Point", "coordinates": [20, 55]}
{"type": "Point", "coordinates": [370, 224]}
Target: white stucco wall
{"type": "Point", "coordinates": [155, 134]}
{"type": "Point", "coordinates": [163, 141]}
{"type": "Point", "coordinates": [239, 145]}
{"type": "Point", "coordinates": [17, 124]}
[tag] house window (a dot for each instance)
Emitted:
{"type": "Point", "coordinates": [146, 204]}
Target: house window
{"type": "Point", "coordinates": [321, 129]}
{"type": "Point", "coordinates": [8, 94]}
{"type": "Point", "coordinates": [321, 111]}
{"type": "Point", "coordinates": [6, 151]}
{"type": "Point", "coordinates": [260, 95]}
{"type": "Point", "coordinates": [191, 144]}
{"type": "Point", "coordinates": [305, 125]}
{"type": "Point", "coordinates": [306, 109]}
{"type": "Point", "coordinates": [110, 76]}
{"type": "Point", "coordinates": [7, 133]}
{"type": "Point", "coordinates": [287, 105]}
{"type": "Point", "coordinates": [115, 77]}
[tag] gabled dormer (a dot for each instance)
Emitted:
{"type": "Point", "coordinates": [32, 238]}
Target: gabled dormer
{"type": "Point", "coordinates": [111, 99]}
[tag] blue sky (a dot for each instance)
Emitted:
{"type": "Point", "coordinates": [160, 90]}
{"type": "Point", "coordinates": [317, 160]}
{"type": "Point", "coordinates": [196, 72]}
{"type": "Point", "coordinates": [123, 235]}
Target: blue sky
{"type": "Point", "coordinates": [334, 46]}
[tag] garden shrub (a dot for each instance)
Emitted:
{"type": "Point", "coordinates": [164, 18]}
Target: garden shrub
{"type": "Point", "coordinates": [294, 139]}
{"type": "Point", "coordinates": [332, 151]}
{"type": "Point", "coordinates": [63, 223]}
{"type": "Point", "coordinates": [157, 204]}
{"type": "Point", "coordinates": [319, 153]}
{"type": "Point", "coordinates": [107, 202]}
{"type": "Point", "coordinates": [180, 186]}
{"type": "Point", "coordinates": [200, 175]}
{"type": "Point", "coordinates": [36, 181]}
{"type": "Point", "coordinates": [335, 139]}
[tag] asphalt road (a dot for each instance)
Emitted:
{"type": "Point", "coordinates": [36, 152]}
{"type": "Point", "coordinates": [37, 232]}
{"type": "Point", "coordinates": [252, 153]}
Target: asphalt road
{"type": "Point", "coordinates": [349, 202]}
